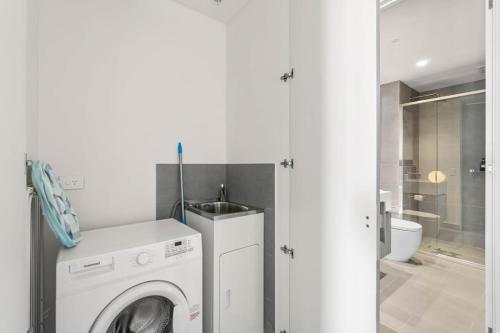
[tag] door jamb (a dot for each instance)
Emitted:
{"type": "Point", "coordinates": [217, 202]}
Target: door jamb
{"type": "Point", "coordinates": [492, 233]}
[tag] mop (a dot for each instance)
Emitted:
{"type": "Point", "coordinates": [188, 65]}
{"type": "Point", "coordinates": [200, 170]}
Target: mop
{"type": "Point", "coordinates": [183, 212]}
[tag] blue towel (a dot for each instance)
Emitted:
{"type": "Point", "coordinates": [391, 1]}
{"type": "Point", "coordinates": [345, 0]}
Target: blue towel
{"type": "Point", "coordinates": [55, 205]}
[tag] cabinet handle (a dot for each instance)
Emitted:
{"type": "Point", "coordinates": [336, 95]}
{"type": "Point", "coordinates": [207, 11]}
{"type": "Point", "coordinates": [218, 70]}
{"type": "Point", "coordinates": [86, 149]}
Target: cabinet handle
{"type": "Point", "coordinates": [228, 298]}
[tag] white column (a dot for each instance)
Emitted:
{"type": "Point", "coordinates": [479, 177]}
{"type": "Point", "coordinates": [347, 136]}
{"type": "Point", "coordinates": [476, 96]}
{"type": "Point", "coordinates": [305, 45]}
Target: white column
{"type": "Point", "coordinates": [334, 184]}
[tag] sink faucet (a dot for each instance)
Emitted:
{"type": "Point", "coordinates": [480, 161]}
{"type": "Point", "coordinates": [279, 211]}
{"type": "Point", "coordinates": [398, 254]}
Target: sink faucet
{"type": "Point", "coordinates": [222, 193]}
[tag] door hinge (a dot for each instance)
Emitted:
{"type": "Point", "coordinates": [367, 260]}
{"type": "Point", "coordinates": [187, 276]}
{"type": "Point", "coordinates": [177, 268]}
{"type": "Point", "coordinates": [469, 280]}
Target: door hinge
{"type": "Point", "coordinates": [490, 330]}
{"type": "Point", "coordinates": [490, 4]}
{"type": "Point", "coordinates": [287, 163]}
{"type": "Point", "coordinates": [286, 250]}
{"type": "Point", "coordinates": [285, 77]}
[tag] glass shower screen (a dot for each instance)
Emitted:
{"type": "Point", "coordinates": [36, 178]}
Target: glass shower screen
{"type": "Point", "coordinates": [443, 179]}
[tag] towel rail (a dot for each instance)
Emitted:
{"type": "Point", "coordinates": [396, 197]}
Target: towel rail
{"type": "Point", "coordinates": [37, 313]}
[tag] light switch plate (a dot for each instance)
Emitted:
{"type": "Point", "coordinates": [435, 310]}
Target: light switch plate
{"type": "Point", "coordinates": [72, 182]}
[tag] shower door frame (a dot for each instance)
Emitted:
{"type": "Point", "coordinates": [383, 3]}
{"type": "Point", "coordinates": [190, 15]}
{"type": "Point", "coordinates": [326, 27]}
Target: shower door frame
{"type": "Point", "coordinates": [401, 139]}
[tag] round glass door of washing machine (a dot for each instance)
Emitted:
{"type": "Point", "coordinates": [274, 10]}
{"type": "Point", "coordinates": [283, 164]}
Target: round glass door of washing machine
{"type": "Point", "coordinates": [150, 307]}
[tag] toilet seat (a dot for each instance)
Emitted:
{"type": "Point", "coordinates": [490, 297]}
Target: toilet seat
{"type": "Point", "coordinates": [405, 225]}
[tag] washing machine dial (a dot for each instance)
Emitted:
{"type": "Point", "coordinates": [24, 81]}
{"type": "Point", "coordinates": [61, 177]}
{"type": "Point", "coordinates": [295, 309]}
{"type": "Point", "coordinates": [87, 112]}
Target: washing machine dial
{"type": "Point", "coordinates": [143, 258]}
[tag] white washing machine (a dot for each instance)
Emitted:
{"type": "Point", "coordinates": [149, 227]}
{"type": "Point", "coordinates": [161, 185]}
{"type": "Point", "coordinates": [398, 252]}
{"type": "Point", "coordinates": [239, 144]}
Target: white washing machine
{"type": "Point", "coordinates": [144, 277]}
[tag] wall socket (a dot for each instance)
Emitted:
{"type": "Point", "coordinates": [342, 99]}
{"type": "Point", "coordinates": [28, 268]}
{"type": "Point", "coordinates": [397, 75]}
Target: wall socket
{"type": "Point", "coordinates": [72, 182]}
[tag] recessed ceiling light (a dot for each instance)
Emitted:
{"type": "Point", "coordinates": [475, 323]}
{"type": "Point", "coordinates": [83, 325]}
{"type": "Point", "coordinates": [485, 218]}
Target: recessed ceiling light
{"type": "Point", "coordinates": [423, 63]}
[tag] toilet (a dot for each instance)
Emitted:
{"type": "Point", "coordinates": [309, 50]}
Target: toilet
{"type": "Point", "coordinates": [406, 237]}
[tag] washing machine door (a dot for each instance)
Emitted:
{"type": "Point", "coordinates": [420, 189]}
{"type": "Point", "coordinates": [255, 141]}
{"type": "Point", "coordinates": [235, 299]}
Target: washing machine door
{"type": "Point", "coordinates": [150, 307]}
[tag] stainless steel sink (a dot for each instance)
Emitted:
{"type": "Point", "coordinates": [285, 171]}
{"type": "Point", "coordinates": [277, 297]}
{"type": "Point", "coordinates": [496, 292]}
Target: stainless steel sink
{"type": "Point", "coordinates": [217, 210]}
{"type": "Point", "coordinates": [221, 208]}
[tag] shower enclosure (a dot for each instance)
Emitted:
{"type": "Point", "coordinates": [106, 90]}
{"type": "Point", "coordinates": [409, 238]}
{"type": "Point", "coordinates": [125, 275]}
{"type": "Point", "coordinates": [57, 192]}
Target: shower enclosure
{"type": "Point", "coordinates": [443, 171]}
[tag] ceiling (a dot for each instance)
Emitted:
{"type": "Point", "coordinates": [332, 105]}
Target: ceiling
{"type": "Point", "coordinates": [448, 33]}
{"type": "Point", "coordinates": [222, 11]}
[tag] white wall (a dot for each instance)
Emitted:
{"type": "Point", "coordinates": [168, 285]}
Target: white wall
{"type": "Point", "coordinates": [14, 231]}
{"type": "Point", "coordinates": [120, 82]}
{"type": "Point", "coordinates": [32, 80]}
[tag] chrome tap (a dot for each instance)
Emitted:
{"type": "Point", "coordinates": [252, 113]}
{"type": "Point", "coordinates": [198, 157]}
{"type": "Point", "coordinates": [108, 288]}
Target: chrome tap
{"type": "Point", "coordinates": [222, 193]}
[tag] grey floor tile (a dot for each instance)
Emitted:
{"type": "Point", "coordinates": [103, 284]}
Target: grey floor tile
{"type": "Point", "coordinates": [440, 296]}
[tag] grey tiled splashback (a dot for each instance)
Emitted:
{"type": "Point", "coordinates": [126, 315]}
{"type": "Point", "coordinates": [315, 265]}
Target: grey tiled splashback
{"type": "Point", "coordinates": [251, 184]}
{"type": "Point", "coordinates": [201, 182]}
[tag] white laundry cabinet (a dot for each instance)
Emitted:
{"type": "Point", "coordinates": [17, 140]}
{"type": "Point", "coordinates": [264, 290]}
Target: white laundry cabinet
{"type": "Point", "coordinates": [233, 272]}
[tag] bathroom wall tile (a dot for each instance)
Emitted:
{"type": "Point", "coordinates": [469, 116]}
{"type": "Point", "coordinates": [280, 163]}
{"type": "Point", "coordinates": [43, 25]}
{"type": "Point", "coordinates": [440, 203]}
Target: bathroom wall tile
{"type": "Point", "coordinates": [430, 227]}
{"type": "Point", "coordinates": [387, 155]}
{"type": "Point", "coordinates": [449, 235]}
{"type": "Point", "coordinates": [390, 177]}
{"type": "Point", "coordinates": [429, 204]}
{"type": "Point", "coordinates": [390, 180]}
{"type": "Point", "coordinates": [473, 190]}
{"type": "Point", "coordinates": [474, 218]}
{"type": "Point", "coordinates": [473, 185]}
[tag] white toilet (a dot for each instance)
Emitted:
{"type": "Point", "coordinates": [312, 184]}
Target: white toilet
{"type": "Point", "coordinates": [406, 237]}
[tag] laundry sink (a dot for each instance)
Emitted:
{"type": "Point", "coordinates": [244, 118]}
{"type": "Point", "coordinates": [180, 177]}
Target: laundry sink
{"type": "Point", "coordinates": [218, 210]}
{"type": "Point", "coordinates": [221, 208]}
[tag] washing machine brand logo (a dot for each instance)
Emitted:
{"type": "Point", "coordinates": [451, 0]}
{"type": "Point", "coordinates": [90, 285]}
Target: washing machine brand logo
{"type": "Point", "coordinates": [97, 263]}
{"type": "Point", "coordinates": [195, 312]}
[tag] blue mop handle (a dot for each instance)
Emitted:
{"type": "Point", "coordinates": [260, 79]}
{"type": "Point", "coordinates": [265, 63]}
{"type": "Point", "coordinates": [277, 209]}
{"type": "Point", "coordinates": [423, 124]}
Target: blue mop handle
{"type": "Point", "coordinates": [183, 212]}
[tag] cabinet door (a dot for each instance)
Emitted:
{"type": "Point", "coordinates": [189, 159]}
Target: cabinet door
{"type": "Point", "coordinates": [241, 291]}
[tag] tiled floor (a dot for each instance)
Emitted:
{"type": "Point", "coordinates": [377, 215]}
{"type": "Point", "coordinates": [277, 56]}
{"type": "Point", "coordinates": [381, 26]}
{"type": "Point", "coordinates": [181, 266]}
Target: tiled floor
{"type": "Point", "coordinates": [440, 296]}
{"type": "Point", "coordinates": [385, 329]}
{"type": "Point", "coordinates": [460, 250]}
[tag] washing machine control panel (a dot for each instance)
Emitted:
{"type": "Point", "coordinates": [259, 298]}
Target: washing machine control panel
{"type": "Point", "coordinates": [178, 247]}
{"type": "Point", "coordinates": [143, 258]}
{"type": "Point", "coordinates": [170, 251]}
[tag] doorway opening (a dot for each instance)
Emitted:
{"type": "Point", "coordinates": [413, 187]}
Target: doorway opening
{"type": "Point", "coordinates": [433, 165]}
